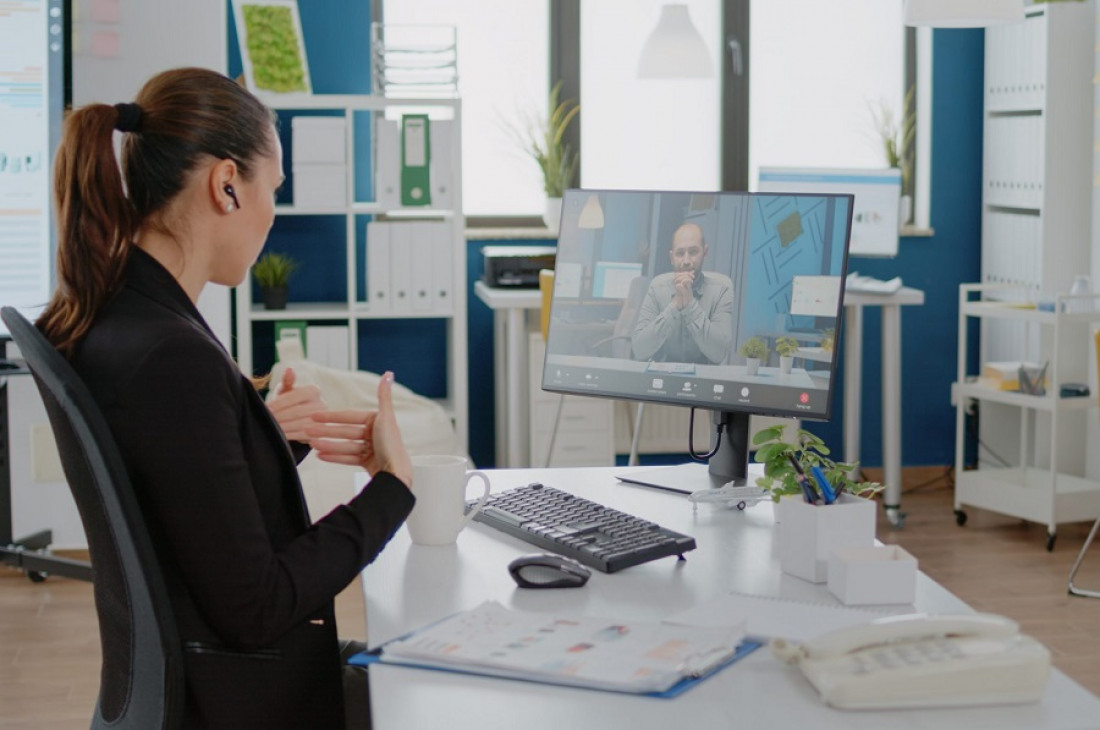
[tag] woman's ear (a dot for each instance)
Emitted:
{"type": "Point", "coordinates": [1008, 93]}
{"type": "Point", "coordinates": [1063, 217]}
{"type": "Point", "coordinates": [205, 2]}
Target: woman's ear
{"type": "Point", "coordinates": [222, 177]}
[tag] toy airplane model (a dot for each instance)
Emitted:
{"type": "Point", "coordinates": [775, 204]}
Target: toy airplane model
{"type": "Point", "coordinates": [730, 496]}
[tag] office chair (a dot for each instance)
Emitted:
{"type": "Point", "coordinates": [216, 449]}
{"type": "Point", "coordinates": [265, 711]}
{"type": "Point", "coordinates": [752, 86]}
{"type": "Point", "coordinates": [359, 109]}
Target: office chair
{"type": "Point", "coordinates": [141, 679]}
{"type": "Point", "coordinates": [618, 344]}
{"type": "Point", "coordinates": [1073, 589]}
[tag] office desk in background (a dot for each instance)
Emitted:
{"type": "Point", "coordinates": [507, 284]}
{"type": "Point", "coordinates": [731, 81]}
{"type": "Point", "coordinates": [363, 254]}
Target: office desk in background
{"type": "Point", "coordinates": [409, 586]}
{"type": "Point", "coordinates": [510, 307]}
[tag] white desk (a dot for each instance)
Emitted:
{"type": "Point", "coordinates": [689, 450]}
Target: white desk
{"type": "Point", "coordinates": [411, 585]}
{"type": "Point", "coordinates": [510, 359]}
{"type": "Point", "coordinates": [891, 304]}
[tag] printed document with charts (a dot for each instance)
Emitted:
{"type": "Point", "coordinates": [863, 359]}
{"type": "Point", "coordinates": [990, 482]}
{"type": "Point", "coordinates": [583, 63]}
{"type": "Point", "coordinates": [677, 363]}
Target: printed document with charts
{"type": "Point", "coordinates": [582, 651]}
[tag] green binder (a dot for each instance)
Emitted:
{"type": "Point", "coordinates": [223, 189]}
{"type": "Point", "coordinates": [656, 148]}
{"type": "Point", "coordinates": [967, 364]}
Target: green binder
{"type": "Point", "coordinates": [415, 158]}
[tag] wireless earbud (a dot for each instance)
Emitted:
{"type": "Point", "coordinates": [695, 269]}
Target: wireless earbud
{"type": "Point", "coordinates": [233, 194]}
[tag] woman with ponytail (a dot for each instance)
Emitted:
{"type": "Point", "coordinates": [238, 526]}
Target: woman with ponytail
{"type": "Point", "coordinates": [252, 581]}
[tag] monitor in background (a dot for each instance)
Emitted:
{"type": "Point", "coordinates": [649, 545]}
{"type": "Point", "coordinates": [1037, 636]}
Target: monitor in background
{"type": "Point", "coordinates": [708, 272]}
{"type": "Point", "coordinates": [33, 89]}
{"type": "Point", "coordinates": [877, 192]}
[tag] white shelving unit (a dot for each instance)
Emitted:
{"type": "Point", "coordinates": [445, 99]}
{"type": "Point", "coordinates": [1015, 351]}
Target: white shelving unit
{"type": "Point", "coordinates": [1037, 177]}
{"type": "Point", "coordinates": [1048, 483]}
{"type": "Point", "coordinates": [446, 187]}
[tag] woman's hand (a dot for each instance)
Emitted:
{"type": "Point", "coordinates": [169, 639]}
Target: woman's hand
{"type": "Point", "coordinates": [293, 407]}
{"type": "Point", "coordinates": [370, 439]}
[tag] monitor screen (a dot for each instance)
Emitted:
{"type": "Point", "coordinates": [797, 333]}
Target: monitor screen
{"type": "Point", "coordinates": [33, 71]}
{"type": "Point", "coordinates": [668, 298]}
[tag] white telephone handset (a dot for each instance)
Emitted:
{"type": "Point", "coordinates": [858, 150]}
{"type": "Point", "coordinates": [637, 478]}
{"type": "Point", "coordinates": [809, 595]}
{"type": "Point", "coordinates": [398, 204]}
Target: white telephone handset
{"type": "Point", "coordinates": [923, 661]}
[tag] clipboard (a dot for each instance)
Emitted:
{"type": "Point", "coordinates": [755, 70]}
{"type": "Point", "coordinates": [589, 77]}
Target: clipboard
{"type": "Point", "coordinates": [376, 656]}
{"type": "Point", "coordinates": [654, 659]}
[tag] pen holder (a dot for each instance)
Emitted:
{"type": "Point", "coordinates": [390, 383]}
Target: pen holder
{"type": "Point", "coordinates": [811, 532]}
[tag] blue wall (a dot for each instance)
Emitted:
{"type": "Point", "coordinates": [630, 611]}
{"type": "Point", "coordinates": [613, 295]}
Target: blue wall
{"type": "Point", "coordinates": [937, 265]}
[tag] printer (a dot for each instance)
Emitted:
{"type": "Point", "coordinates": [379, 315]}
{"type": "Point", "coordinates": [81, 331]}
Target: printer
{"type": "Point", "coordinates": [516, 266]}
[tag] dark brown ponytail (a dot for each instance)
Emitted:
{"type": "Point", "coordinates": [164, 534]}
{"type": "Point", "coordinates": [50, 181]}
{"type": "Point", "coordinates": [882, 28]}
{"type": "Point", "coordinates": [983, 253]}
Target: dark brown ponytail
{"type": "Point", "coordinates": [95, 223]}
{"type": "Point", "coordinates": [181, 117]}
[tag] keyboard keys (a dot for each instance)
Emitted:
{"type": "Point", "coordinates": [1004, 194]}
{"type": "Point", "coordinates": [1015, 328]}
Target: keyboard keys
{"type": "Point", "coordinates": [598, 536]}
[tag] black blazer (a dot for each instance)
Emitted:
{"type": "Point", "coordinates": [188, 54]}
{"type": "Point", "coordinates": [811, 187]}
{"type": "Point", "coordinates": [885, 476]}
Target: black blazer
{"type": "Point", "coordinates": [252, 581]}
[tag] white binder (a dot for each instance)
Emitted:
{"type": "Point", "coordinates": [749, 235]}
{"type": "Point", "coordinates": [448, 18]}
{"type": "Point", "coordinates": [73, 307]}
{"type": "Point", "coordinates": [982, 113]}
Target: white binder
{"type": "Point", "coordinates": [401, 267]}
{"type": "Point", "coordinates": [387, 168]}
{"type": "Point", "coordinates": [442, 268]}
{"type": "Point", "coordinates": [439, 168]}
{"type": "Point", "coordinates": [424, 250]}
{"type": "Point", "coordinates": [378, 267]}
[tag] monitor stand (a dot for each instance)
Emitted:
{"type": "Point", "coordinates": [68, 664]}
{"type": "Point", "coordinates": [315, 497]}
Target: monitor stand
{"type": "Point", "coordinates": [728, 464]}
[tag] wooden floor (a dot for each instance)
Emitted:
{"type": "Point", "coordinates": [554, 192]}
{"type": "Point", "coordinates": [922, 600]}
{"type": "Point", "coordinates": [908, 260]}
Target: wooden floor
{"type": "Point", "coordinates": [49, 641]}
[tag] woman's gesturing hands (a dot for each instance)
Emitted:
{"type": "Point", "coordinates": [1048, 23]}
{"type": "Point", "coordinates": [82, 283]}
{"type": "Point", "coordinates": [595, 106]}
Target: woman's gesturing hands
{"type": "Point", "coordinates": [293, 407]}
{"type": "Point", "coordinates": [370, 439]}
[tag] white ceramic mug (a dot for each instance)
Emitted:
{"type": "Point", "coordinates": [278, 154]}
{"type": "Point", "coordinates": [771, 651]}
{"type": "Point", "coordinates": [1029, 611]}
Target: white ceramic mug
{"type": "Point", "coordinates": [439, 485]}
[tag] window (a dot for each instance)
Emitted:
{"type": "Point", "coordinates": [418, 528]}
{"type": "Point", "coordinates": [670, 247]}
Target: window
{"type": "Point", "coordinates": [814, 93]}
{"type": "Point", "coordinates": [503, 61]}
{"type": "Point", "coordinates": [640, 134]}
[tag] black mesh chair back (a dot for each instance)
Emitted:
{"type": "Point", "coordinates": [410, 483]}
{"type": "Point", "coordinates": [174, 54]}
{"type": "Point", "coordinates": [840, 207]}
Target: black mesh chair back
{"type": "Point", "coordinates": [141, 680]}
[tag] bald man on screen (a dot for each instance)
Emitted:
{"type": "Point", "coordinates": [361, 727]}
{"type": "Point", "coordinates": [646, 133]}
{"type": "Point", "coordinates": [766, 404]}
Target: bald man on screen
{"type": "Point", "coordinates": [687, 315]}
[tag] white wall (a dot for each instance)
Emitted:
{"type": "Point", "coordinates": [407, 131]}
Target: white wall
{"type": "Point", "coordinates": [112, 58]}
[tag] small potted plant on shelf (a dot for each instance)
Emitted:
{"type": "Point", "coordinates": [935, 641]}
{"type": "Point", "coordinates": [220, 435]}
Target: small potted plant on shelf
{"type": "Point", "coordinates": [272, 272]}
{"type": "Point", "coordinates": [828, 339]}
{"type": "Point", "coordinates": [786, 347]}
{"type": "Point", "coordinates": [543, 140]}
{"type": "Point", "coordinates": [755, 351]}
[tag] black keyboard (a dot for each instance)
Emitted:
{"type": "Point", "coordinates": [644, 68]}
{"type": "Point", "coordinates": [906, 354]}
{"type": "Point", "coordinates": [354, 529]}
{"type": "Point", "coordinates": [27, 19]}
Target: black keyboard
{"type": "Point", "coordinates": [589, 532]}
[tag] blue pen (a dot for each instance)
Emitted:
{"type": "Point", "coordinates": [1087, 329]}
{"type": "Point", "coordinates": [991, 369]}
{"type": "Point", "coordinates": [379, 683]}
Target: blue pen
{"type": "Point", "coordinates": [808, 492]}
{"type": "Point", "coordinates": [823, 484]}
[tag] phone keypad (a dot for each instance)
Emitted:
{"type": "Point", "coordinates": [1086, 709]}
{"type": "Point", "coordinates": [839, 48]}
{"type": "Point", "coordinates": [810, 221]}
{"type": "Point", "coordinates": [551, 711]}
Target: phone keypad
{"type": "Point", "coordinates": [905, 654]}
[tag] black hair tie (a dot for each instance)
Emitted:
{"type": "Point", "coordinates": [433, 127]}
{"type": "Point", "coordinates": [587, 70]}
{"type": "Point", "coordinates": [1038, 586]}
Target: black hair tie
{"type": "Point", "coordinates": [129, 117]}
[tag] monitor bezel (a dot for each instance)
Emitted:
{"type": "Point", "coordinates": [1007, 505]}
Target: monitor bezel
{"type": "Point", "coordinates": [732, 408]}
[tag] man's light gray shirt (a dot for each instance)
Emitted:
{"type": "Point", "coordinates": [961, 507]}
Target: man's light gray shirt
{"type": "Point", "coordinates": [701, 332]}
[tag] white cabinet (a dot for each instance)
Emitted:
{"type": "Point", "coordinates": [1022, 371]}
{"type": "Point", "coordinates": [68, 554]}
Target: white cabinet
{"type": "Point", "coordinates": [1043, 480]}
{"type": "Point", "coordinates": [585, 435]}
{"type": "Point", "coordinates": [1037, 174]}
{"type": "Point", "coordinates": [389, 242]}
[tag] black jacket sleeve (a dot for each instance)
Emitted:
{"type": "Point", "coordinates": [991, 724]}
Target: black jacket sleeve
{"type": "Point", "coordinates": [220, 489]}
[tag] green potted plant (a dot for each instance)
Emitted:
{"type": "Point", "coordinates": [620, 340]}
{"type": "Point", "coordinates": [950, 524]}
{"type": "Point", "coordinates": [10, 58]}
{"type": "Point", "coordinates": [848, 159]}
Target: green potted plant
{"type": "Point", "coordinates": [755, 351]}
{"type": "Point", "coordinates": [272, 272]}
{"type": "Point", "coordinates": [897, 136]}
{"type": "Point", "coordinates": [786, 347]}
{"type": "Point", "coordinates": [810, 451]}
{"type": "Point", "coordinates": [543, 140]}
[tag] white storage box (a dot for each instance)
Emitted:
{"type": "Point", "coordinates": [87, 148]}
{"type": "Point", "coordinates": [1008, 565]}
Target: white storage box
{"type": "Point", "coordinates": [809, 533]}
{"type": "Point", "coordinates": [320, 186]}
{"type": "Point", "coordinates": [318, 140]}
{"type": "Point", "coordinates": [872, 575]}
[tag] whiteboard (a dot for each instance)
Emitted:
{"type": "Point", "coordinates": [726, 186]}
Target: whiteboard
{"type": "Point", "coordinates": [877, 195]}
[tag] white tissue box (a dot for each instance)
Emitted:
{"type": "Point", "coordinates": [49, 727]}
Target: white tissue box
{"type": "Point", "coordinates": [872, 575]}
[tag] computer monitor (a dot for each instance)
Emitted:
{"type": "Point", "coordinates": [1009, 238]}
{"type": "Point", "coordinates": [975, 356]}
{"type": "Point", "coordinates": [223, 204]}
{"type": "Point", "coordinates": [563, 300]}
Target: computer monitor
{"type": "Point", "coordinates": [34, 87]}
{"type": "Point", "coordinates": [712, 272]}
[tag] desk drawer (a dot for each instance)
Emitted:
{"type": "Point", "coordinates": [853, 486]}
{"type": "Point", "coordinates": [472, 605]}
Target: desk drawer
{"type": "Point", "coordinates": [574, 448]}
{"type": "Point", "coordinates": [576, 413]}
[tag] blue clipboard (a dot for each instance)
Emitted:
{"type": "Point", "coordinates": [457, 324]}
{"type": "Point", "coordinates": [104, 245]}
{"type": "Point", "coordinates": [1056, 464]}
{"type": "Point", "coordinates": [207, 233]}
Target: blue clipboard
{"type": "Point", "coordinates": [376, 656]}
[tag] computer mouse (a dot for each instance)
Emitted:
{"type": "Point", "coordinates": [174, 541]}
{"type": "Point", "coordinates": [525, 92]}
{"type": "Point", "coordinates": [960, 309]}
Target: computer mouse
{"type": "Point", "coordinates": [546, 570]}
